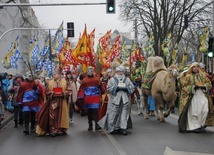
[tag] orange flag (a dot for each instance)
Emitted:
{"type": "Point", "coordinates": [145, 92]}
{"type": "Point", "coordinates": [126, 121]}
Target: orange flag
{"type": "Point", "coordinates": [82, 48]}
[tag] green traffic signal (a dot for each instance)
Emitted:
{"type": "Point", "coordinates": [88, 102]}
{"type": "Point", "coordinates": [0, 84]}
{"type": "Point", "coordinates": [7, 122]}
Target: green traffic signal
{"type": "Point", "coordinates": [110, 6]}
{"type": "Point", "coordinates": [210, 47]}
{"type": "Point", "coordinates": [210, 54]}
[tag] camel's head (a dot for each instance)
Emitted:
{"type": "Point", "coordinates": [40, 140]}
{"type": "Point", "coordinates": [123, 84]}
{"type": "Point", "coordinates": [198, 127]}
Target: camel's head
{"type": "Point", "coordinates": [173, 70]}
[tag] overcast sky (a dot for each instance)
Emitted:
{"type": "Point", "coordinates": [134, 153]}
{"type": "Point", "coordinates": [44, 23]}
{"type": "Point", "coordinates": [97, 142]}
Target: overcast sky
{"type": "Point", "coordinates": [94, 16]}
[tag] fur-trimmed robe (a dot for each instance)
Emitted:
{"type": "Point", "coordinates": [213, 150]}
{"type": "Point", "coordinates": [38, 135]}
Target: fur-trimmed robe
{"type": "Point", "coordinates": [62, 107]}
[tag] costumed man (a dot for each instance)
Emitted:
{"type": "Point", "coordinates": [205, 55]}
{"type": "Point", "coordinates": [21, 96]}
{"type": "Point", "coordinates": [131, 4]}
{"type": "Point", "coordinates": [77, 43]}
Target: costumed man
{"type": "Point", "coordinates": [53, 118]}
{"type": "Point", "coordinates": [29, 98]}
{"type": "Point", "coordinates": [196, 102]}
{"type": "Point", "coordinates": [91, 87]}
{"type": "Point", "coordinates": [117, 118]}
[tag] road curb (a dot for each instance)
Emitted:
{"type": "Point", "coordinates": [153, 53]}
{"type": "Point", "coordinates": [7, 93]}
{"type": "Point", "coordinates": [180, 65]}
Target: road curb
{"type": "Point", "coordinates": [4, 122]}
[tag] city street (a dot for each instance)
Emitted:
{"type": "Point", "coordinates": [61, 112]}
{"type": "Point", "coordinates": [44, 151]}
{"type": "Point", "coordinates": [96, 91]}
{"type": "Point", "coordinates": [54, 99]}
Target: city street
{"type": "Point", "coordinates": [148, 137]}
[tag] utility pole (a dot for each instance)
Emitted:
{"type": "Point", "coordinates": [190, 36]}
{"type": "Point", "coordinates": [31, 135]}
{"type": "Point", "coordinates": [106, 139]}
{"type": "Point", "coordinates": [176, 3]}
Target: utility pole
{"type": "Point", "coordinates": [135, 32]}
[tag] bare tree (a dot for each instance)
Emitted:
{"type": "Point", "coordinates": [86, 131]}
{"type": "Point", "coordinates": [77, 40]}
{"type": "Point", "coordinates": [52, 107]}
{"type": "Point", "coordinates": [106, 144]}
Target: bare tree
{"type": "Point", "coordinates": [25, 20]}
{"type": "Point", "coordinates": [167, 16]}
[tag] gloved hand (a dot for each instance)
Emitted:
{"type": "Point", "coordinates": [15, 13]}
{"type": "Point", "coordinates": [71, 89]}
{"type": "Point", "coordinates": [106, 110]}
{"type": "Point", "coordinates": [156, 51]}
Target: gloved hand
{"type": "Point", "coordinates": [117, 89]}
{"type": "Point", "coordinates": [125, 90]}
{"type": "Point", "coordinates": [196, 87]}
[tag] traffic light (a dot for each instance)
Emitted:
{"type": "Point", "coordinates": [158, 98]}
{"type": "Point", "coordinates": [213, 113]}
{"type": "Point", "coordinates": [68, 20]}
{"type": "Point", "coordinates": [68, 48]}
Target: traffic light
{"type": "Point", "coordinates": [210, 47]}
{"type": "Point", "coordinates": [110, 6]}
{"type": "Point", "coordinates": [185, 21]}
{"type": "Point", "coordinates": [70, 29]}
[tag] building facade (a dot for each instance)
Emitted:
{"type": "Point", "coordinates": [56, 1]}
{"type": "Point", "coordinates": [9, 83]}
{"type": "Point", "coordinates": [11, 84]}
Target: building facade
{"type": "Point", "coordinates": [18, 21]}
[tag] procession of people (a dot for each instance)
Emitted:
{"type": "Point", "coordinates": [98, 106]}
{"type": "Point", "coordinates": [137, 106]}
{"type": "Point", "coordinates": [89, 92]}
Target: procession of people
{"type": "Point", "coordinates": [46, 106]}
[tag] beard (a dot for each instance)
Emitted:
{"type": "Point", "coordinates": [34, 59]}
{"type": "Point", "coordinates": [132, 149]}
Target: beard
{"type": "Point", "coordinates": [120, 77]}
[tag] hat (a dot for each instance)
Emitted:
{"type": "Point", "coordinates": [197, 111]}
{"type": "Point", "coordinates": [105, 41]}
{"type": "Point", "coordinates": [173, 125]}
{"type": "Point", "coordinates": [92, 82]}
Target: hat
{"type": "Point", "coordinates": [47, 78]}
{"type": "Point", "coordinates": [90, 71]}
{"type": "Point", "coordinates": [108, 70]}
{"type": "Point", "coordinates": [120, 69]}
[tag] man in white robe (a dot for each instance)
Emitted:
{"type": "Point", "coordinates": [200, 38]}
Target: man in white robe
{"type": "Point", "coordinates": [196, 86]}
{"type": "Point", "coordinates": [117, 118]}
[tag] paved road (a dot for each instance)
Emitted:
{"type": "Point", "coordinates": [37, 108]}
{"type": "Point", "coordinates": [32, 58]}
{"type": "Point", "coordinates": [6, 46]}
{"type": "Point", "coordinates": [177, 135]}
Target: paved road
{"type": "Point", "coordinates": [148, 137]}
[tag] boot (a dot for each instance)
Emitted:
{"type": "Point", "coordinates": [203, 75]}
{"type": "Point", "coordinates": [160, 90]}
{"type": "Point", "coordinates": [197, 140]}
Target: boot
{"type": "Point", "coordinates": [97, 127]}
{"type": "Point", "coordinates": [152, 113]}
{"type": "Point", "coordinates": [90, 126]}
{"type": "Point", "coordinates": [124, 132]}
{"type": "Point", "coordinates": [26, 131]}
{"type": "Point", "coordinates": [16, 124]}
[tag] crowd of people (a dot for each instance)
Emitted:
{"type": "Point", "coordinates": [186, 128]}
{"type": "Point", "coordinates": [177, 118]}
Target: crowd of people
{"type": "Point", "coordinates": [45, 106]}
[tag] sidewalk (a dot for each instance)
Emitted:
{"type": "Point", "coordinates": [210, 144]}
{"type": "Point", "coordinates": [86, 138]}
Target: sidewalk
{"type": "Point", "coordinates": [8, 116]}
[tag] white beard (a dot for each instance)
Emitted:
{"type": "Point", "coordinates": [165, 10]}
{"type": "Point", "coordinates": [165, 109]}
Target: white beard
{"type": "Point", "coordinates": [120, 77]}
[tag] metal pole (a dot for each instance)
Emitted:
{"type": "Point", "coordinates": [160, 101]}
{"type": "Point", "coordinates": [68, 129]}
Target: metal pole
{"type": "Point", "coordinates": [46, 4]}
{"type": "Point", "coordinates": [19, 28]}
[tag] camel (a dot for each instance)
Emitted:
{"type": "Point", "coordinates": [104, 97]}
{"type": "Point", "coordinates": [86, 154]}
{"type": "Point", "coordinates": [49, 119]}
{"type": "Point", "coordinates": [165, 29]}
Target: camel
{"type": "Point", "coordinates": [163, 87]}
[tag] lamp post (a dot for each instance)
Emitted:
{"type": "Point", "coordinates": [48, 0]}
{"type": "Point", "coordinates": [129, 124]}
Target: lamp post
{"type": "Point", "coordinates": [20, 28]}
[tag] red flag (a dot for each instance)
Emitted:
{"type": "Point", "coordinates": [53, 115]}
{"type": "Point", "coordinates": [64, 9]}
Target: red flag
{"type": "Point", "coordinates": [115, 50]}
{"type": "Point", "coordinates": [105, 40]}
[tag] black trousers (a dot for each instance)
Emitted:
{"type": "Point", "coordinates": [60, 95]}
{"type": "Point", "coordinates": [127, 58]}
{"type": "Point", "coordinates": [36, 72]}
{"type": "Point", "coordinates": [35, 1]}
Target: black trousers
{"type": "Point", "coordinates": [29, 116]}
{"type": "Point", "coordinates": [18, 114]}
{"type": "Point", "coordinates": [92, 115]}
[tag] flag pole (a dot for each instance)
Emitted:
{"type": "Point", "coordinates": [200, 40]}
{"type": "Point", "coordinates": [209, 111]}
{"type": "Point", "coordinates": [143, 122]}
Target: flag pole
{"type": "Point", "coordinates": [130, 63]}
{"type": "Point", "coordinates": [50, 51]}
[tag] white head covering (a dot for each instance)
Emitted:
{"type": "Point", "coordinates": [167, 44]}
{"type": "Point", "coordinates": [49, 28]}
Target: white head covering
{"type": "Point", "coordinates": [90, 71]}
{"type": "Point", "coordinates": [120, 68]}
